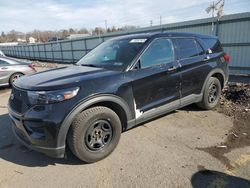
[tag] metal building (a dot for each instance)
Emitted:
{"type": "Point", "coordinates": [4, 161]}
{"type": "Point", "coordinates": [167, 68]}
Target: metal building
{"type": "Point", "coordinates": [232, 30]}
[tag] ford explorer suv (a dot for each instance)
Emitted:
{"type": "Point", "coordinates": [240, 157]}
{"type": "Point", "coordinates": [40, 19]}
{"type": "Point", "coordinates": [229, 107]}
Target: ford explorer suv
{"type": "Point", "coordinates": [121, 83]}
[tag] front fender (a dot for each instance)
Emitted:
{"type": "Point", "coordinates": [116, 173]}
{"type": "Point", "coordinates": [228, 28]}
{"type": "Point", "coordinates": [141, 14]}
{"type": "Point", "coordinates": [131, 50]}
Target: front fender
{"type": "Point", "coordinates": [62, 134]}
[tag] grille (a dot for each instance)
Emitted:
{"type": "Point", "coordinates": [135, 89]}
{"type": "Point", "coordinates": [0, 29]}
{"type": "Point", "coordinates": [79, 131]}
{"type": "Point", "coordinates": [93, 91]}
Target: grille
{"type": "Point", "coordinates": [20, 102]}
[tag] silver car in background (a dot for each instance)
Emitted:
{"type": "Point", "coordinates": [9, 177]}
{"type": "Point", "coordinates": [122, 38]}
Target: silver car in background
{"type": "Point", "coordinates": [1, 54]}
{"type": "Point", "coordinates": [12, 69]}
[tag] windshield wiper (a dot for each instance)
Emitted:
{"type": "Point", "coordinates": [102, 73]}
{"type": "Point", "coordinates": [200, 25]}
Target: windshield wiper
{"type": "Point", "coordinates": [88, 65]}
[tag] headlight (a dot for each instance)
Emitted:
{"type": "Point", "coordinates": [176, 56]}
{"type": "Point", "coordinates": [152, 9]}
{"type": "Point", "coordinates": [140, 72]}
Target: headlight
{"type": "Point", "coordinates": [47, 97]}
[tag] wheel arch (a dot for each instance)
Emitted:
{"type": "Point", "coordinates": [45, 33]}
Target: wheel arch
{"type": "Point", "coordinates": [113, 102]}
{"type": "Point", "coordinates": [217, 73]}
{"type": "Point", "coordinates": [13, 74]}
{"type": "Point", "coordinates": [220, 77]}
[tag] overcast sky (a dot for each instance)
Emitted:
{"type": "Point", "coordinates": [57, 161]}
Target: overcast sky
{"type": "Point", "coordinates": [27, 15]}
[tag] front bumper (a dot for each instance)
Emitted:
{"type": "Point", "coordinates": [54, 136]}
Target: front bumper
{"type": "Point", "coordinates": [33, 140]}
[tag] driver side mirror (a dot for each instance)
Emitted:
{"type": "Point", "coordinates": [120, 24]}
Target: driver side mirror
{"type": "Point", "coordinates": [209, 51]}
{"type": "Point", "coordinates": [137, 65]}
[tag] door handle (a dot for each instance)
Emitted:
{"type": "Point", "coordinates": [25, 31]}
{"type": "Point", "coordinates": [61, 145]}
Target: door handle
{"type": "Point", "coordinates": [172, 68]}
{"type": "Point", "coordinates": [206, 58]}
{"type": "Point", "coordinates": [4, 68]}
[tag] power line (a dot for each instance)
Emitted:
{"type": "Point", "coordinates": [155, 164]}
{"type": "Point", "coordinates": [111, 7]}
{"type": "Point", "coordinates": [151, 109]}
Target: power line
{"type": "Point", "coordinates": [156, 12]}
{"type": "Point", "coordinates": [157, 17]}
{"type": "Point", "coordinates": [177, 12]}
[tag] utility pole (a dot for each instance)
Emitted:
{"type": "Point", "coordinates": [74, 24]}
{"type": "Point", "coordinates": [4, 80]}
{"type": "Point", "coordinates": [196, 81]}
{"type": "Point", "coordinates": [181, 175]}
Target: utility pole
{"type": "Point", "coordinates": [151, 23]}
{"type": "Point", "coordinates": [213, 10]}
{"type": "Point", "coordinates": [106, 25]}
{"type": "Point", "coordinates": [218, 6]}
{"type": "Point", "coordinates": [160, 20]}
{"type": "Point", "coordinates": [213, 17]}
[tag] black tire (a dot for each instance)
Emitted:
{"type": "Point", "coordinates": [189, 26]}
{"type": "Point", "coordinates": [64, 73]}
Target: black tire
{"type": "Point", "coordinates": [211, 94]}
{"type": "Point", "coordinates": [14, 77]}
{"type": "Point", "coordinates": [85, 130]}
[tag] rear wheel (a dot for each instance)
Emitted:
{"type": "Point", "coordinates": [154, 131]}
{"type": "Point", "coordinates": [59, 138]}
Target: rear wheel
{"type": "Point", "coordinates": [211, 94]}
{"type": "Point", "coordinates": [14, 77]}
{"type": "Point", "coordinates": [94, 134]}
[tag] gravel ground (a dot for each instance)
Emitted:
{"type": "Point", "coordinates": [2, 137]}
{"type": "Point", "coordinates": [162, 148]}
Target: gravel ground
{"type": "Point", "coordinates": [235, 103]}
{"type": "Point", "coordinates": [186, 148]}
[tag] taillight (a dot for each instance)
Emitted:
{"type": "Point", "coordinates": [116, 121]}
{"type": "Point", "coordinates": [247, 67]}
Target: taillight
{"type": "Point", "coordinates": [32, 67]}
{"type": "Point", "coordinates": [227, 58]}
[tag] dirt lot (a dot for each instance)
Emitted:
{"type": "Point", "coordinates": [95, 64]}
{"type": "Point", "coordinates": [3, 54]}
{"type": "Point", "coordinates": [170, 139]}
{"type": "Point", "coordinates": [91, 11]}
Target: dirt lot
{"type": "Point", "coordinates": [186, 148]}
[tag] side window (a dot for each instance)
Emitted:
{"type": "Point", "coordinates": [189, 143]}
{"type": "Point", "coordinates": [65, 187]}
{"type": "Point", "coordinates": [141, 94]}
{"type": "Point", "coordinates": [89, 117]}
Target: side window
{"type": "Point", "coordinates": [160, 51]}
{"type": "Point", "coordinates": [2, 62]}
{"type": "Point", "coordinates": [188, 48]}
{"type": "Point", "coordinates": [213, 44]}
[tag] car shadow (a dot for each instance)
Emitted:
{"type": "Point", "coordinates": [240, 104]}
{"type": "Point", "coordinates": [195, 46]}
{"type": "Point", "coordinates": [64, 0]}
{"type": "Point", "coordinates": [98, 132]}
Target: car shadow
{"type": "Point", "coordinates": [13, 151]}
{"type": "Point", "coordinates": [191, 107]}
{"type": "Point", "coordinates": [153, 119]}
{"type": "Point", "coordinates": [4, 89]}
{"type": "Point", "coordinates": [212, 179]}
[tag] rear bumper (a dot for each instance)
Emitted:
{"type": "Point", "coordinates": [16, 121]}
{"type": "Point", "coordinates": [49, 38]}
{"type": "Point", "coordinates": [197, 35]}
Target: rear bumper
{"type": "Point", "coordinates": [26, 139]}
{"type": "Point", "coordinates": [5, 84]}
{"type": "Point", "coordinates": [226, 76]}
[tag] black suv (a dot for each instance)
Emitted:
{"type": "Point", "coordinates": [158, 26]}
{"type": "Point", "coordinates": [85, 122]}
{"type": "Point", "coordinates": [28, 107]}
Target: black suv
{"type": "Point", "coordinates": [121, 83]}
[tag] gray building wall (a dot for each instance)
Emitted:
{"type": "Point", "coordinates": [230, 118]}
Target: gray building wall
{"type": "Point", "coordinates": [232, 30]}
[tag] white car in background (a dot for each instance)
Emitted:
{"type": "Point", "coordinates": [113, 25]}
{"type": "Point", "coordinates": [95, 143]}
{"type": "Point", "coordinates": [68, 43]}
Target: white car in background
{"type": "Point", "coordinates": [1, 54]}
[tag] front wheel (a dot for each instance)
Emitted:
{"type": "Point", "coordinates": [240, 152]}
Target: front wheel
{"type": "Point", "coordinates": [94, 134]}
{"type": "Point", "coordinates": [211, 94]}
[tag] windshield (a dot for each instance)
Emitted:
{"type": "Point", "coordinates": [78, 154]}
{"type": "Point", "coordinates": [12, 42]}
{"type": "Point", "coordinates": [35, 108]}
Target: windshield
{"type": "Point", "coordinates": [113, 54]}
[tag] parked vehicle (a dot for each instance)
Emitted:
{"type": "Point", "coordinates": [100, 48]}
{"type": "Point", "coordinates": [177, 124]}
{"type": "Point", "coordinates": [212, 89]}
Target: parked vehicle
{"type": "Point", "coordinates": [121, 83]}
{"type": "Point", "coordinates": [52, 39]}
{"type": "Point", "coordinates": [11, 69]}
{"type": "Point", "coordinates": [1, 54]}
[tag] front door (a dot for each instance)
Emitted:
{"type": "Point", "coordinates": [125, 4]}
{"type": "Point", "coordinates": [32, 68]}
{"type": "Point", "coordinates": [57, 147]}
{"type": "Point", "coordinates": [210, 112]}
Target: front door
{"type": "Point", "coordinates": [156, 80]}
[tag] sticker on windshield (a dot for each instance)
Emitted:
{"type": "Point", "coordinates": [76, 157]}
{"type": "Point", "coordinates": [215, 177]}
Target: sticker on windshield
{"type": "Point", "coordinates": [118, 63]}
{"type": "Point", "coordinates": [137, 41]}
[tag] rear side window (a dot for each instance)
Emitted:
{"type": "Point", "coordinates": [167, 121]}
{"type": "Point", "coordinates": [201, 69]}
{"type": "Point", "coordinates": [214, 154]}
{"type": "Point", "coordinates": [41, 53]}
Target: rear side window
{"type": "Point", "coordinates": [188, 48]}
{"type": "Point", "coordinates": [213, 44]}
{"type": "Point", "coordinates": [3, 62]}
{"type": "Point", "coordinates": [159, 52]}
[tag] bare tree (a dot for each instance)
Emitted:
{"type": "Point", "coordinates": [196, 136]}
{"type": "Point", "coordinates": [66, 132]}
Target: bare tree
{"type": "Point", "coordinates": [43, 36]}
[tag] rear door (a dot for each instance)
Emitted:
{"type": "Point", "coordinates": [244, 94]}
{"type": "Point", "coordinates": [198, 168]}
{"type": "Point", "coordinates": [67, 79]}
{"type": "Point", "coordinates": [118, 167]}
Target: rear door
{"type": "Point", "coordinates": [4, 72]}
{"type": "Point", "coordinates": [156, 81]}
{"type": "Point", "coordinates": [194, 69]}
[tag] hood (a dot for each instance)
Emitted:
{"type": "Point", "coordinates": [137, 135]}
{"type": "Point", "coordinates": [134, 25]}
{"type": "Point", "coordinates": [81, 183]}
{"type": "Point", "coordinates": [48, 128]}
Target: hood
{"type": "Point", "coordinates": [60, 78]}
